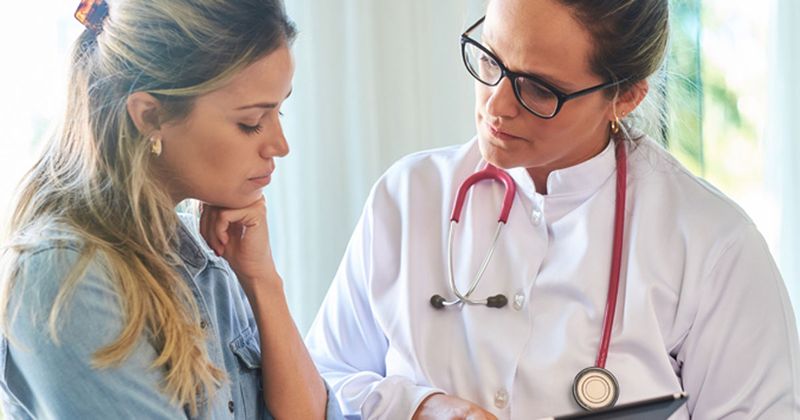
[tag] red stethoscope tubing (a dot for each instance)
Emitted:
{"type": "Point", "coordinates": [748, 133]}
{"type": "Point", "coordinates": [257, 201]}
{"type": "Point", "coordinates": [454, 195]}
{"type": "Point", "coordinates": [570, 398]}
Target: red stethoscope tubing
{"type": "Point", "coordinates": [616, 258]}
{"type": "Point", "coordinates": [491, 172]}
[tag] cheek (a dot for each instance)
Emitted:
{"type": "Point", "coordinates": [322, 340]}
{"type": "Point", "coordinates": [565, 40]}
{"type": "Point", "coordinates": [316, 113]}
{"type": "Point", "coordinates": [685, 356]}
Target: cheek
{"type": "Point", "coordinates": [575, 119]}
{"type": "Point", "coordinates": [482, 95]}
{"type": "Point", "coordinates": [197, 146]}
{"type": "Point", "coordinates": [202, 155]}
{"type": "Point", "coordinates": [581, 117]}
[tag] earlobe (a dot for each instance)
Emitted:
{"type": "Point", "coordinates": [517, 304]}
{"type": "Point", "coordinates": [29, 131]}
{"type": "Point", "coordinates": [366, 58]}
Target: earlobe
{"type": "Point", "coordinates": [144, 109]}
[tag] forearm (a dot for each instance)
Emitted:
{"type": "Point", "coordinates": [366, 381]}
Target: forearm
{"type": "Point", "coordinates": [293, 387]}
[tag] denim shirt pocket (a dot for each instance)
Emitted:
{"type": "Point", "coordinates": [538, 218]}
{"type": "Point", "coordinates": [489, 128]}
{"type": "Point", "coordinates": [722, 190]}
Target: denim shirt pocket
{"type": "Point", "coordinates": [247, 350]}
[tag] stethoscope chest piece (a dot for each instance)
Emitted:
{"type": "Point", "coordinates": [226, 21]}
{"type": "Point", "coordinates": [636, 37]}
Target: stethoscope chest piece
{"type": "Point", "coordinates": [595, 388]}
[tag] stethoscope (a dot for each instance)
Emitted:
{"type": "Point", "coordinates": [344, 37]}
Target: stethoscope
{"type": "Point", "coordinates": [594, 387]}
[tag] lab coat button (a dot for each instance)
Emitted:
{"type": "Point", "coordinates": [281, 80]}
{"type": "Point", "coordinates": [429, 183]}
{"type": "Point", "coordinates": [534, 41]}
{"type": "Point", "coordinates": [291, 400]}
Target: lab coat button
{"type": "Point", "coordinates": [501, 399]}
{"type": "Point", "coordinates": [536, 217]}
{"type": "Point", "coordinates": [519, 301]}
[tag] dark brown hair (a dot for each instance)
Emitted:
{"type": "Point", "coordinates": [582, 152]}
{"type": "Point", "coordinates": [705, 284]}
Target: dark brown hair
{"type": "Point", "coordinates": [630, 36]}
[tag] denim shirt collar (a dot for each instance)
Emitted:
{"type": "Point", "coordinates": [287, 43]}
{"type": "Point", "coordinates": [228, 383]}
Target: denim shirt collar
{"type": "Point", "coordinates": [191, 252]}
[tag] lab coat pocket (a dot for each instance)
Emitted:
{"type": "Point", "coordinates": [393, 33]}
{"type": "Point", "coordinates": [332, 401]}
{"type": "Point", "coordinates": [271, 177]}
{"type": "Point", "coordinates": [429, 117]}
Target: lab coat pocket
{"type": "Point", "coordinates": [247, 350]}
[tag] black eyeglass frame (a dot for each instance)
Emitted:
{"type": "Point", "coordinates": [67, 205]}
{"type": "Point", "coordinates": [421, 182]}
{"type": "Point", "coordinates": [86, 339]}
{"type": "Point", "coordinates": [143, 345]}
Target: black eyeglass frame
{"type": "Point", "coordinates": [561, 97]}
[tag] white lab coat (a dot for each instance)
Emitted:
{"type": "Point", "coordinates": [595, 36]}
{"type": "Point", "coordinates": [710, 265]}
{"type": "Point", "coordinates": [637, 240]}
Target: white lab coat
{"type": "Point", "coordinates": [702, 307]}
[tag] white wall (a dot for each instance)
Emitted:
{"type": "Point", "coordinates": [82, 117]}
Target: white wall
{"type": "Point", "coordinates": [375, 80]}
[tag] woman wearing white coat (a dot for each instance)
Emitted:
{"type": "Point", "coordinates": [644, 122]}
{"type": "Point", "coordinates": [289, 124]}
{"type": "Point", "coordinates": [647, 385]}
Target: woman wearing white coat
{"type": "Point", "coordinates": [701, 307]}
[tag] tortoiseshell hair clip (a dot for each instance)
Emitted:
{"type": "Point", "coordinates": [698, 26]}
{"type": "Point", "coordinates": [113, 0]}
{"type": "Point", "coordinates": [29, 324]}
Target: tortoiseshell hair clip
{"type": "Point", "coordinates": [92, 13]}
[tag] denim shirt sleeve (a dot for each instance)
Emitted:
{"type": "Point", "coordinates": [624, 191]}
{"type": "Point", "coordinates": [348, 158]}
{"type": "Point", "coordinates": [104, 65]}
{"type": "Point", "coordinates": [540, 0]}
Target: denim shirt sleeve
{"type": "Point", "coordinates": [47, 379]}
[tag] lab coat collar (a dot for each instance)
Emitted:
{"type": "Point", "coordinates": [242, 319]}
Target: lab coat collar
{"type": "Point", "coordinates": [582, 179]}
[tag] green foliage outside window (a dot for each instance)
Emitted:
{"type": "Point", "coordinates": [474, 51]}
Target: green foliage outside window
{"type": "Point", "coordinates": [707, 129]}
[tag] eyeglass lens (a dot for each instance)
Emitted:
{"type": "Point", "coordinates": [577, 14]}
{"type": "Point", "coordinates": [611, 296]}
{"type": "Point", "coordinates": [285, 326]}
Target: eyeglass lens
{"type": "Point", "coordinates": [536, 97]}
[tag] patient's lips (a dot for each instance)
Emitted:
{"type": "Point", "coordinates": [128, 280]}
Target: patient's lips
{"type": "Point", "coordinates": [264, 178]}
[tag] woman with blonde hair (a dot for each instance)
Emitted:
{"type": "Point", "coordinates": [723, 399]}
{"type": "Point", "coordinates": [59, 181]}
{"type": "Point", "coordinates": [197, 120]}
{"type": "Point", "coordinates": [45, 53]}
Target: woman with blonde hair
{"type": "Point", "coordinates": [113, 304]}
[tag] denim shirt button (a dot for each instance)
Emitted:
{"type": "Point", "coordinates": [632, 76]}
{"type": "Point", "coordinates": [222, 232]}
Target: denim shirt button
{"type": "Point", "coordinates": [230, 406]}
{"type": "Point", "coordinates": [203, 324]}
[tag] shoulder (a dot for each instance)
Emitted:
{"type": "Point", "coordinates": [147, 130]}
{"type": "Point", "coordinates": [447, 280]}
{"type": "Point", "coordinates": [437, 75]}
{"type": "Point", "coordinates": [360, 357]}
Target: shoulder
{"type": "Point", "coordinates": [48, 268]}
{"type": "Point", "coordinates": [439, 159]}
{"type": "Point", "coordinates": [46, 255]}
{"type": "Point", "coordinates": [429, 170]}
{"type": "Point", "coordinates": [662, 182]}
{"type": "Point", "coordinates": [44, 264]}
{"type": "Point", "coordinates": [64, 306]}
{"type": "Point", "coordinates": [700, 225]}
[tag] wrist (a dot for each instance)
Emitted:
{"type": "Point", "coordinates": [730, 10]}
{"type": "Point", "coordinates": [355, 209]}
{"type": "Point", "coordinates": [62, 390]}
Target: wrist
{"type": "Point", "coordinates": [262, 285]}
{"type": "Point", "coordinates": [419, 412]}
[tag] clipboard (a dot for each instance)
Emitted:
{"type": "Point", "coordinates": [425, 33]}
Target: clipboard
{"type": "Point", "coordinates": [659, 408]}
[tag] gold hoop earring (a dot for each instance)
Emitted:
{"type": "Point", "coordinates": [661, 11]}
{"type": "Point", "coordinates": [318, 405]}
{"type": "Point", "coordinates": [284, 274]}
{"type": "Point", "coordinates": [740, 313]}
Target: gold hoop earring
{"type": "Point", "coordinates": [155, 145]}
{"type": "Point", "coordinates": [615, 126]}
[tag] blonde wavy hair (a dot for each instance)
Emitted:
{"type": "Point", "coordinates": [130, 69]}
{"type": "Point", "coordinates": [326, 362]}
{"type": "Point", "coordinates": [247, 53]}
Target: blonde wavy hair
{"type": "Point", "coordinates": [94, 181]}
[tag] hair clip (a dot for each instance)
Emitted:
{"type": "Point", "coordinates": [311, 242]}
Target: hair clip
{"type": "Point", "coordinates": [92, 13]}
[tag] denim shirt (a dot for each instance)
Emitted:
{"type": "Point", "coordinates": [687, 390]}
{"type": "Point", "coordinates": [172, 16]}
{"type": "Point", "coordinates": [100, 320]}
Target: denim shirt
{"type": "Point", "coordinates": [45, 379]}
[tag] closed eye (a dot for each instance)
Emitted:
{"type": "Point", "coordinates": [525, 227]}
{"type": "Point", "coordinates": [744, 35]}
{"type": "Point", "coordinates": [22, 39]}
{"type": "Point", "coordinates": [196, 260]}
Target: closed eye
{"type": "Point", "coordinates": [251, 129]}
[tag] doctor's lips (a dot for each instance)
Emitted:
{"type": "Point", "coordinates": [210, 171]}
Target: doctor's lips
{"type": "Point", "coordinates": [498, 133]}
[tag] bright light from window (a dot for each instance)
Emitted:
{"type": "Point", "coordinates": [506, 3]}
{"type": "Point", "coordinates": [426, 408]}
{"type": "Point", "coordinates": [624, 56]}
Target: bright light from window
{"type": "Point", "coordinates": [32, 80]}
{"type": "Point", "coordinates": [734, 52]}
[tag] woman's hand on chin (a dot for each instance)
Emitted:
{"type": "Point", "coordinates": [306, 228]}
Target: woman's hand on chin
{"type": "Point", "coordinates": [241, 236]}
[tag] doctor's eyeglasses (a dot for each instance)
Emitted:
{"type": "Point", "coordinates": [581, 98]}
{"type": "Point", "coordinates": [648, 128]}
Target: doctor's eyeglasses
{"type": "Point", "coordinates": [534, 94]}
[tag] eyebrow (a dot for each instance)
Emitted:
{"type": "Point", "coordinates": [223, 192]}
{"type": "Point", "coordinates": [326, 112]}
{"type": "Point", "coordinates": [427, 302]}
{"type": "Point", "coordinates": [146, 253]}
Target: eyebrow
{"type": "Point", "coordinates": [560, 84]}
{"type": "Point", "coordinates": [265, 105]}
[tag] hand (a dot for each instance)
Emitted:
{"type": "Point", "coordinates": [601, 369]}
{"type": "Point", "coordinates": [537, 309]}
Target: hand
{"type": "Point", "coordinates": [241, 237]}
{"type": "Point", "coordinates": [445, 407]}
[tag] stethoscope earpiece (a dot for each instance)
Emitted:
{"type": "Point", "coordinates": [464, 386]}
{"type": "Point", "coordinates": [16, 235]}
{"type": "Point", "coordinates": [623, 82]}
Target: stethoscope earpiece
{"type": "Point", "coordinates": [437, 301]}
{"type": "Point", "coordinates": [497, 301]}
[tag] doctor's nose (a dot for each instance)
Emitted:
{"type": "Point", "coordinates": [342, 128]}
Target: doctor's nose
{"type": "Point", "coordinates": [501, 101]}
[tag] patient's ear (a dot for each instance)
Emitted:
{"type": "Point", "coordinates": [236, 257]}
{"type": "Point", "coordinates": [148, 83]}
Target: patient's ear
{"type": "Point", "coordinates": [144, 109]}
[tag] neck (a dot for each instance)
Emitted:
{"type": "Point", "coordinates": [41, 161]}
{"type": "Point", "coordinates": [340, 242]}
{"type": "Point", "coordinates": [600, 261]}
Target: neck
{"type": "Point", "coordinates": [162, 177]}
{"type": "Point", "coordinates": [539, 176]}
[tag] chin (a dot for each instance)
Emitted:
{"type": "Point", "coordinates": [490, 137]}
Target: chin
{"type": "Point", "coordinates": [247, 200]}
{"type": "Point", "coordinates": [234, 201]}
{"type": "Point", "coordinates": [499, 156]}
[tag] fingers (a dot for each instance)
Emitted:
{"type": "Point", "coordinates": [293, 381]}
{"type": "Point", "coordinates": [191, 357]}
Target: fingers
{"type": "Point", "coordinates": [208, 217]}
{"type": "Point", "coordinates": [480, 414]}
{"type": "Point", "coordinates": [441, 406]}
{"type": "Point", "coordinates": [220, 226]}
